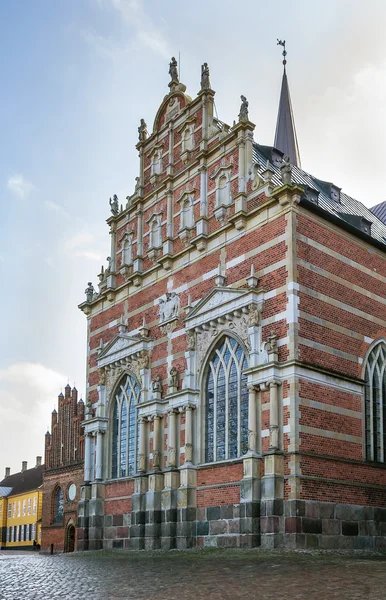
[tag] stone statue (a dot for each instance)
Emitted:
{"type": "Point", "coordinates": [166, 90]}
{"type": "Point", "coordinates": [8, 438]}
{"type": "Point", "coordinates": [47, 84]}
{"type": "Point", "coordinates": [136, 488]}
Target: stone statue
{"type": "Point", "coordinates": [173, 71]}
{"type": "Point", "coordinates": [142, 131]}
{"type": "Point", "coordinates": [168, 309]}
{"type": "Point", "coordinates": [243, 114]}
{"type": "Point", "coordinates": [89, 291]}
{"type": "Point", "coordinates": [173, 380]}
{"type": "Point", "coordinates": [156, 385]}
{"type": "Point", "coordinates": [205, 82]}
{"type": "Point", "coordinates": [89, 407]}
{"type": "Point", "coordinates": [109, 260]}
{"type": "Point", "coordinates": [114, 206]}
{"type": "Point", "coordinates": [286, 171]}
{"type": "Point", "coordinates": [190, 340]}
{"type": "Point", "coordinates": [102, 376]}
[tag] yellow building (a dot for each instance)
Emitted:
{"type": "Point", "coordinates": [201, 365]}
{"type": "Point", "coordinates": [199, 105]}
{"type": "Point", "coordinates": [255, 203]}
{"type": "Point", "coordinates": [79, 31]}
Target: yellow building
{"type": "Point", "coordinates": [21, 500]}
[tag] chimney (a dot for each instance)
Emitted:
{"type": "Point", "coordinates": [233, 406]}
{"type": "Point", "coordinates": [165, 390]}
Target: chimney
{"type": "Point", "coordinates": [23, 466]}
{"type": "Point", "coordinates": [7, 471]}
{"type": "Point", "coordinates": [38, 461]}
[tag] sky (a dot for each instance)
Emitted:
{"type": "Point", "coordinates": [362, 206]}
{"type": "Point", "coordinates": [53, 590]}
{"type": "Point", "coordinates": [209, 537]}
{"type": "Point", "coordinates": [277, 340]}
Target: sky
{"type": "Point", "coordinates": [76, 78]}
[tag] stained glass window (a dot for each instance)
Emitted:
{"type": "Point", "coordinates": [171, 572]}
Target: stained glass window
{"type": "Point", "coordinates": [226, 403]}
{"type": "Point", "coordinates": [375, 403]}
{"type": "Point", "coordinates": [59, 505]}
{"type": "Point", "coordinates": [125, 429]}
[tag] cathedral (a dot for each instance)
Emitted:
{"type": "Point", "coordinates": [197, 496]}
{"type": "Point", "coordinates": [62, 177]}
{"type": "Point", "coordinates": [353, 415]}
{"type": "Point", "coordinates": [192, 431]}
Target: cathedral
{"type": "Point", "coordinates": [236, 347]}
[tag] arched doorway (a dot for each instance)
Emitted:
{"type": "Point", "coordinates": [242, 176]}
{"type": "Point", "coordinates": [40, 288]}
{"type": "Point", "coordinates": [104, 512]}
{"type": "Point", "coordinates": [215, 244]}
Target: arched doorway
{"type": "Point", "coordinates": [69, 545]}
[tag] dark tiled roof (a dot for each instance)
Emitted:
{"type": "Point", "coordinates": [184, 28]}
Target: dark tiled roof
{"type": "Point", "coordinates": [25, 481]}
{"type": "Point", "coordinates": [347, 209]}
{"type": "Point", "coordinates": [380, 211]}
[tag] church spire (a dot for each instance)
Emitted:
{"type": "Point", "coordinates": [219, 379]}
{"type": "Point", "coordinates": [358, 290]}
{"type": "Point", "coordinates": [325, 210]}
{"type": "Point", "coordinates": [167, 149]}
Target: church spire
{"type": "Point", "coordinates": [285, 136]}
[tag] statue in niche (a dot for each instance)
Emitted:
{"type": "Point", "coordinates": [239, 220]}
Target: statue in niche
{"type": "Point", "coordinates": [190, 340]}
{"type": "Point", "coordinates": [114, 206]}
{"type": "Point", "coordinates": [286, 171]}
{"type": "Point", "coordinates": [89, 291]}
{"type": "Point", "coordinates": [173, 71]}
{"type": "Point", "coordinates": [142, 131]}
{"type": "Point", "coordinates": [102, 376]}
{"type": "Point", "coordinates": [168, 308]}
{"type": "Point", "coordinates": [205, 82]}
{"type": "Point", "coordinates": [173, 379]}
{"type": "Point", "coordinates": [156, 385]}
{"type": "Point", "coordinates": [243, 114]}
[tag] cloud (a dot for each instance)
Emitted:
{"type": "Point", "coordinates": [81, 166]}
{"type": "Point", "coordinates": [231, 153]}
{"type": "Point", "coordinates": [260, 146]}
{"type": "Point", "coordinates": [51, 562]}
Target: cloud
{"type": "Point", "coordinates": [133, 15]}
{"type": "Point", "coordinates": [50, 205]}
{"type": "Point", "coordinates": [83, 245]}
{"type": "Point", "coordinates": [28, 394]}
{"type": "Point", "coordinates": [19, 186]}
{"type": "Point", "coordinates": [49, 261]}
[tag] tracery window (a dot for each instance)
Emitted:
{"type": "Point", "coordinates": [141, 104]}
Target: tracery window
{"type": "Point", "coordinates": [226, 403]}
{"type": "Point", "coordinates": [125, 429]}
{"type": "Point", "coordinates": [375, 403]}
{"type": "Point", "coordinates": [58, 505]}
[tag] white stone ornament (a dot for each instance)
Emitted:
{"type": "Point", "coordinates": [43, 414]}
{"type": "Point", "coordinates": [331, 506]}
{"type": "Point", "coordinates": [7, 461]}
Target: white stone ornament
{"type": "Point", "coordinates": [169, 307]}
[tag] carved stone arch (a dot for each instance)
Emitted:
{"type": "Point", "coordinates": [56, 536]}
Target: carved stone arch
{"type": "Point", "coordinates": [119, 377]}
{"type": "Point", "coordinates": [207, 339]}
{"type": "Point", "coordinates": [172, 105]}
{"type": "Point", "coordinates": [216, 341]}
{"type": "Point", "coordinates": [369, 350]}
{"type": "Point", "coordinates": [69, 536]}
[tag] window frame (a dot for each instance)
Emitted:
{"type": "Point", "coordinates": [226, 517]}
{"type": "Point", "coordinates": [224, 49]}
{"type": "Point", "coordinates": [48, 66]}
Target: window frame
{"type": "Point", "coordinates": [124, 393]}
{"type": "Point", "coordinates": [242, 365]}
{"type": "Point", "coordinates": [374, 446]}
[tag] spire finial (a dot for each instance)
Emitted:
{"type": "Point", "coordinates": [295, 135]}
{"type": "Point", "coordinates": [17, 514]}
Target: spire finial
{"type": "Point", "coordinates": [284, 53]}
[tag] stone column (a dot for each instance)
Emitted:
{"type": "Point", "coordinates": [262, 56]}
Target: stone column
{"type": "Point", "coordinates": [87, 458]}
{"type": "Point", "coordinates": [113, 235]}
{"type": "Point", "coordinates": [142, 445]}
{"type": "Point", "coordinates": [252, 420]}
{"type": "Point", "coordinates": [272, 493]}
{"type": "Point", "coordinates": [189, 434]}
{"type": "Point", "coordinates": [138, 261]}
{"type": "Point", "coordinates": [273, 415]}
{"type": "Point", "coordinates": [250, 484]}
{"type": "Point", "coordinates": [172, 451]}
{"type": "Point", "coordinates": [99, 456]}
{"type": "Point", "coordinates": [241, 144]}
{"type": "Point", "coordinates": [187, 492]}
{"type": "Point", "coordinates": [156, 443]}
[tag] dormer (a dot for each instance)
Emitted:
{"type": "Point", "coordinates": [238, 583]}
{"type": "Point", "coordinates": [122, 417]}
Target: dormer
{"type": "Point", "coordinates": [330, 189]}
{"type": "Point", "coordinates": [187, 224]}
{"type": "Point", "coordinates": [222, 177]}
{"type": "Point", "coordinates": [155, 235]}
{"type": "Point", "coordinates": [358, 221]}
{"type": "Point", "coordinates": [311, 195]}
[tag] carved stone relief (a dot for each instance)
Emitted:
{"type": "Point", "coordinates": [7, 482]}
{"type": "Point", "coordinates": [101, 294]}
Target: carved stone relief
{"type": "Point", "coordinates": [237, 325]}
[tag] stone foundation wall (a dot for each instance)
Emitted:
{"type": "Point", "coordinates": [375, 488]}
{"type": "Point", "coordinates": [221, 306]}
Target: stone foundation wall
{"type": "Point", "coordinates": [267, 524]}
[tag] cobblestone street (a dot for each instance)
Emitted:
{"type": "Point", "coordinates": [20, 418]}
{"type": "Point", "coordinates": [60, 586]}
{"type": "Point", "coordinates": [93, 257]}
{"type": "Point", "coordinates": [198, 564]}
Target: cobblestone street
{"type": "Point", "coordinates": [199, 575]}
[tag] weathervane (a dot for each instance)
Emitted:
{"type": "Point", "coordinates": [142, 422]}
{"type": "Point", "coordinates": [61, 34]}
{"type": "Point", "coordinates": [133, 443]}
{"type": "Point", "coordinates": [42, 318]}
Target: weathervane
{"type": "Point", "coordinates": [282, 43]}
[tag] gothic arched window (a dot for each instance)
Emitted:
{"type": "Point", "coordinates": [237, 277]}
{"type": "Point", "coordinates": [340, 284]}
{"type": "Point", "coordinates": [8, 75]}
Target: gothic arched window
{"type": "Point", "coordinates": [226, 403]}
{"type": "Point", "coordinates": [375, 403]}
{"type": "Point", "coordinates": [58, 505]}
{"type": "Point", "coordinates": [125, 429]}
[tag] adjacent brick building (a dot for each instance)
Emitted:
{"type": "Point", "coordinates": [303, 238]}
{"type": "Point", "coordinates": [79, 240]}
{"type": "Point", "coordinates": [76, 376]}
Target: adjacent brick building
{"type": "Point", "coordinates": [236, 347]}
{"type": "Point", "coordinates": [63, 475]}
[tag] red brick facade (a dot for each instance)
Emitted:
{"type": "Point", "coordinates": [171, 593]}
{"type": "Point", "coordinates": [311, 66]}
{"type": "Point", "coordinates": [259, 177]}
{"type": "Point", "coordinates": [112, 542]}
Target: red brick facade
{"type": "Point", "coordinates": [301, 293]}
{"type": "Point", "coordinates": [64, 455]}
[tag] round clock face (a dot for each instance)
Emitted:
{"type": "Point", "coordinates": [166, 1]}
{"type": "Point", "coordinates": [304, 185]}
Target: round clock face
{"type": "Point", "coordinates": [72, 491]}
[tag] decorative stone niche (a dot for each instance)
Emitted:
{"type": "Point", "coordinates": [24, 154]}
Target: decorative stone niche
{"type": "Point", "coordinates": [187, 224]}
{"type": "Point", "coordinates": [222, 178]}
{"type": "Point", "coordinates": [127, 253]}
{"type": "Point", "coordinates": [187, 140]}
{"type": "Point", "coordinates": [156, 164]}
{"type": "Point", "coordinates": [155, 235]}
